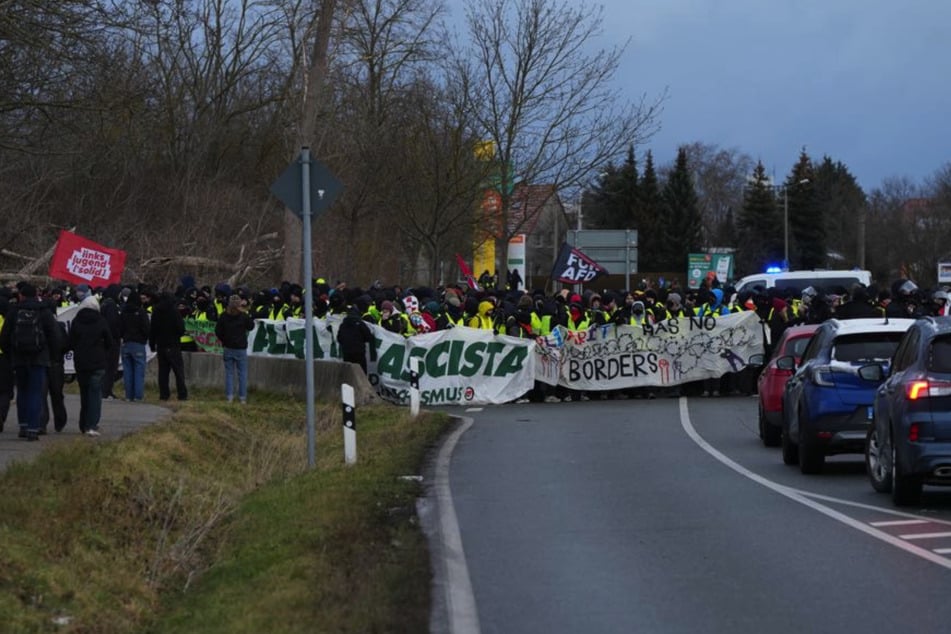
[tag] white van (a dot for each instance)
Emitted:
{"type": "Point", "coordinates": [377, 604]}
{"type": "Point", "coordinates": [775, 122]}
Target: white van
{"type": "Point", "coordinates": [800, 280]}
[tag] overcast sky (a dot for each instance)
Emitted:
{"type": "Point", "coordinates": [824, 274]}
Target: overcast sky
{"type": "Point", "coordinates": [867, 82]}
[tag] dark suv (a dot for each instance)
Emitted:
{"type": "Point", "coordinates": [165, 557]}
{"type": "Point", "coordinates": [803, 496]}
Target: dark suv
{"type": "Point", "coordinates": [909, 443]}
{"type": "Point", "coordinates": [827, 403]}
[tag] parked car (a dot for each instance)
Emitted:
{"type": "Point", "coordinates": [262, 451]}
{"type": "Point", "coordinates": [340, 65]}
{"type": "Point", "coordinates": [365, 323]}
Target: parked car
{"type": "Point", "coordinates": [772, 380]}
{"type": "Point", "coordinates": [909, 443]}
{"type": "Point", "coordinates": [828, 402]}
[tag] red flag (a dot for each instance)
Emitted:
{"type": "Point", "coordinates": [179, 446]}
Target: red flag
{"type": "Point", "coordinates": [467, 272]}
{"type": "Point", "coordinates": [82, 261]}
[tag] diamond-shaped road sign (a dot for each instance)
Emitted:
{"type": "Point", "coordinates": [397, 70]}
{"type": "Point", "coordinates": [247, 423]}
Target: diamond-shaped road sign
{"type": "Point", "coordinates": [324, 187]}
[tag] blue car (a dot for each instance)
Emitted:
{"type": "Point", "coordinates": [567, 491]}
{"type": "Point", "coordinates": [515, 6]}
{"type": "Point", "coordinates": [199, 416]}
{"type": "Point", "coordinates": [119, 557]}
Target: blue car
{"type": "Point", "coordinates": [909, 444]}
{"type": "Point", "coordinates": [828, 402]}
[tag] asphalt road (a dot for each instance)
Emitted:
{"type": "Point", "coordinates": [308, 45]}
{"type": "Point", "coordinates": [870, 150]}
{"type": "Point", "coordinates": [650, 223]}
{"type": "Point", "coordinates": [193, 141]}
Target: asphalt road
{"type": "Point", "coordinates": [669, 516]}
{"type": "Point", "coordinates": [118, 419]}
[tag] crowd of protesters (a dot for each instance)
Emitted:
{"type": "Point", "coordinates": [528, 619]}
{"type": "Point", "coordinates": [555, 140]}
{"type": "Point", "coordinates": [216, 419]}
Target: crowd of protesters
{"type": "Point", "coordinates": [122, 321]}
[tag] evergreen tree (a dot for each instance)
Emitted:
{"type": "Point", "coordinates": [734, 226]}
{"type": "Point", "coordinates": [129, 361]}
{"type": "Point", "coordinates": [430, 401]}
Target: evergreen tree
{"type": "Point", "coordinates": [648, 222]}
{"type": "Point", "coordinates": [760, 225]}
{"type": "Point", "coordinates": [807, 248]}
{"type": "Point", "coordinates": [613, 200]}
{"type": "Point", "coordinates": [682, 223]}
{"type": "Point", "coordinates": [841, 201]}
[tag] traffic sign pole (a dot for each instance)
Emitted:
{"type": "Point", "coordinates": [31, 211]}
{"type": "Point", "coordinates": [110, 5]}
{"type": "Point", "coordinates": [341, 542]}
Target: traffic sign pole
{"type": "Point", "coordinates": [309, 305]}
{"type": "Point", "coordinates": [307, 189]}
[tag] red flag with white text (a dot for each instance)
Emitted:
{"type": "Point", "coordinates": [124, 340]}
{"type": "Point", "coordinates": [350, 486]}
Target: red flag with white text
{"type": "Point", "coordinates": [81, 261]}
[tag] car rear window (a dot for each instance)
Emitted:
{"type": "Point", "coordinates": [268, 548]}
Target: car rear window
{"type": "Point", "coordinates": [866, 346]}
{"type": "Point", "coordinates": [796, 346]}
{"type": "Point", "coordinates": [940, 358]}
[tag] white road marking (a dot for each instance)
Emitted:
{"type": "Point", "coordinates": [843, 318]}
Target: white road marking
{"type": "Point", "coordinates": [460, 601]}
{"type": "Point", "coordinates": [898, 523]}
{"type": "Point", "coordinates": [802, 498]}
{"type": "Point", "coordinates": [475, 409]}
{"type": "Point", "coordinates": [925, 535]}
{"type": "Point", "coordinates": [942, 551]}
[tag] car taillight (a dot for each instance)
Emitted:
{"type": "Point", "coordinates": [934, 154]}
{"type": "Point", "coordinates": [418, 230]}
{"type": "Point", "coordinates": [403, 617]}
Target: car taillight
{"type": "Point", "coordinates": [924, 388]}
{"type": "Point", "coordinates": [913, 431]}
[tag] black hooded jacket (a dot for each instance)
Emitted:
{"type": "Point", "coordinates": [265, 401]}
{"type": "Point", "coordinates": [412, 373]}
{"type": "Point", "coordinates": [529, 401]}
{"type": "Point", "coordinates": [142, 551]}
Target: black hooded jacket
{"type": "Point", "coordinates": [89, 339]}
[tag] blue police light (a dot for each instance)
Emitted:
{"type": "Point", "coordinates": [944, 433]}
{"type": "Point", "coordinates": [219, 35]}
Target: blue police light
{"type": "Point", "coordinates": [774, 269]}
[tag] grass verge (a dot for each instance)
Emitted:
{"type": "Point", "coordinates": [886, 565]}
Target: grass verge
{"type": "Point", "coordinates": [211, 522]}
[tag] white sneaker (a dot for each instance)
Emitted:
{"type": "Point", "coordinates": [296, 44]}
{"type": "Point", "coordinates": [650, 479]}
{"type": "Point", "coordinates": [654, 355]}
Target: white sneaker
{"type": "Point", "coordinates": [93, 432]}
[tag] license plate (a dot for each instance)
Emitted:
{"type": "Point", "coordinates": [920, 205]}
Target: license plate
{"type": "Point", "coordinates": [870, 412]}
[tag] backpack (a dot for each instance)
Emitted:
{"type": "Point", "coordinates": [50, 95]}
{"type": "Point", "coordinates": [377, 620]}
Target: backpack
{"type": "Point", "coordinates": [28, 336]}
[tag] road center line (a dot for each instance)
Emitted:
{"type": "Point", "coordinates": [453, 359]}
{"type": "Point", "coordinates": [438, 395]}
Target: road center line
{"type": "Point", "coordinates": [801, 498]}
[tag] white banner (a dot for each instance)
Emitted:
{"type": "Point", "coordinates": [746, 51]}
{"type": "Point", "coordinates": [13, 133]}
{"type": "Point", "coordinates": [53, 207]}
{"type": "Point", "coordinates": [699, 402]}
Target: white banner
{"type": "Point", "coordinates": [459, 366]}
{"type": "Point", "coordinates": [668, 353]}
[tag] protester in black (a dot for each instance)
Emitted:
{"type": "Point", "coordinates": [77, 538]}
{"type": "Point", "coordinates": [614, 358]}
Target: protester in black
{"type": "Point", "coordinates": [354, 336]}
{"type": "Point", "coordinates": [165, 337]}
{"type": "Point", "coordinates": [30, 361]}
{"type": "Point", "coordinates": [90, 339]}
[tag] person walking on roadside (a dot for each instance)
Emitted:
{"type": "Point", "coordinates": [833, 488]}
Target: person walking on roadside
{"type": "Point", "coordinates": [27, 328]}
{"type": "Point", "coordinates": [232, 331]}
{"type": "Point", "coordinates": [110, 308]}
{"type": "Point", "coordinates": [7, 378]}
{"type": "Point", "coordinates": [90, 340]}
{"type": "Point", "coordinates": [134, 329]}
{"type": "Point", "coordinates": [53, 397]}
{"type": "Point", "coordinates": [165, 339]}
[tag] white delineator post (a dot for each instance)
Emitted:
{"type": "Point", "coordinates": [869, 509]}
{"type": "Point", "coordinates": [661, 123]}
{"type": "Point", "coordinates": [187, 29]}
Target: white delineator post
{"type": "Point", "coordinates": [414, 387]}
{"type": "Point", "coordinates": [349, 424]}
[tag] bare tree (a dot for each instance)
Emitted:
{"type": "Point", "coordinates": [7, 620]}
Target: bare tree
{"type": "Point", "coordinates": [545, 97]}
{"type": "Point", "coordinates": [719, 180]}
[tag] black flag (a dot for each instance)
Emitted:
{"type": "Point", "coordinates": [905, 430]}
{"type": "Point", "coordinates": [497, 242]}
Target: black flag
{"type": "Point", "coordinates": [574, 267]}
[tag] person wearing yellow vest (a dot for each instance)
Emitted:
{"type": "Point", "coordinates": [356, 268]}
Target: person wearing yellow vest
{"type": "Point", "coordinates": [186, 341]}
{"type": "Point", "coordinates": [483, 319]}
{"type": "Point", "coordinates": [577, 319]}
{"type": "Point", "coordinates": [391, 319]}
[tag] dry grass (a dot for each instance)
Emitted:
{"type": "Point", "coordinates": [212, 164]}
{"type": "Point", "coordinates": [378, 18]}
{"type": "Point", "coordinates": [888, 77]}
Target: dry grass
{"type": "Point", "coordinates": [211, 521]}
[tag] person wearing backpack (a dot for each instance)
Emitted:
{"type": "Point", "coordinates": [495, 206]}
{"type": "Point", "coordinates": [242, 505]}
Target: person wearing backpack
{"type": "Point", "coordinates": [27, 328]}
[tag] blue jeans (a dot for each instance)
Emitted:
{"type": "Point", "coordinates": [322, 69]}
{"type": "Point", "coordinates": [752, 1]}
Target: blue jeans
{"type": "Point", "coordinates": [133, 370]}
{"type": "Point", "coordinates": [236, 362]}
{"type": "Point", "coordinates": [31, 380]}
{"type": "Point", "coordinates": [90, 399]}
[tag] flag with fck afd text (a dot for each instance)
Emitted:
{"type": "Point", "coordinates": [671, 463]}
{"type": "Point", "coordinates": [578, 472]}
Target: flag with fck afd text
{"type": "Point", "coordinates": [574, 267]}
{"type": "Point", "coordinates": [81, 261]}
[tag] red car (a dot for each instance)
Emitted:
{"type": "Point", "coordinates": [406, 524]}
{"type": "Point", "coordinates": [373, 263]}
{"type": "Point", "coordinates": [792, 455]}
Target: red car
{"type": "Point", "coordinates": [772, 380]}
